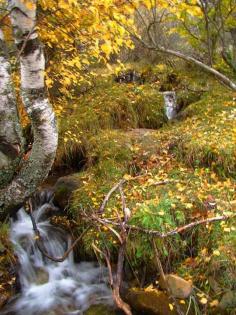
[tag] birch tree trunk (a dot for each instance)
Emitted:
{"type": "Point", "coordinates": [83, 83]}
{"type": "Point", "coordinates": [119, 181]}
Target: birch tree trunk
{"type": "Point", "coordinates": [32, 64]}
{"type": "Point", "coordinates": [10, 130]}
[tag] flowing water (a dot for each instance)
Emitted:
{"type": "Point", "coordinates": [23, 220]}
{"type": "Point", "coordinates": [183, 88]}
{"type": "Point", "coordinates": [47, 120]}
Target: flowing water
{"type": "Point", "coordinates": [48, 287]}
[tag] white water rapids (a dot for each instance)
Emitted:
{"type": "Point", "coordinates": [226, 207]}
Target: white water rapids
{"type": "Point", "coordinates": [47, 287]}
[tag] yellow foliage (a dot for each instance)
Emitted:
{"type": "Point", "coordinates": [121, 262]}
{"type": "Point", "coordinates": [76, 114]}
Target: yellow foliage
{"type": "Point", "coordinates": [77, 34]}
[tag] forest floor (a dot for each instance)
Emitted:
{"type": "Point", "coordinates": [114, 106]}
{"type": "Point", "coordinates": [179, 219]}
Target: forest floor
{"type": "Point", "coordinates": [188, 170]}
{"type": "Point", "coordinates": [185, 169]}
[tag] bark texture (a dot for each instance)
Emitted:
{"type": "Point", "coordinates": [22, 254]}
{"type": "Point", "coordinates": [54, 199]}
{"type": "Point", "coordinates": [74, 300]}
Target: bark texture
{"type": "Point", "coordinates": [10, 130]}
{"type": "Point", "coordinates": [32, 64]}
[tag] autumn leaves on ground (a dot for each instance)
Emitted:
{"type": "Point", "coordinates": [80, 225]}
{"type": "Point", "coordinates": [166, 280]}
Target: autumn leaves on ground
{"type": "Point", "coordinates": [185, 172]}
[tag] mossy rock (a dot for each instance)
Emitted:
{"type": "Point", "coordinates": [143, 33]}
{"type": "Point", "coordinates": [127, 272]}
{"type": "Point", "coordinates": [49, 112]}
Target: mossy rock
{"type": "Point", "coordinates": [179, 287]}
{"type": "Point", "coordinates": [108, 106]}
{"type": "Point", "coordinates": [64, 188]}
{"type": "Point", "coordinates": [153, 302]}
{"type": "Point", "coordinates": [100, 310]}
{"type": "Point", "coordinates": [228, 301]}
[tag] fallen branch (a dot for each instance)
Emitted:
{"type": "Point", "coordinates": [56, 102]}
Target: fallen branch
{"type": "Point", "coordinates": [116, 281]}
{"type": "Point", "coordinates": [162, 182]}
{"type": "Point", "coordinates": [107, 197]}
{"type": "Point", "coordinates": [158, 233]}
{"type": "Point", "coordinates": [114, 188]}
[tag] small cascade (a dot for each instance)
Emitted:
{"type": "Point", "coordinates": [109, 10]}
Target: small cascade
{"type": "Point", "coordinates": [47, 287]}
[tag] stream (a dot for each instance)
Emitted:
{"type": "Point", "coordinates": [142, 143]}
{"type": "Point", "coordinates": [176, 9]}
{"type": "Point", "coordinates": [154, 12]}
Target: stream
{"type": "Point", "coordinates": [47, 287]}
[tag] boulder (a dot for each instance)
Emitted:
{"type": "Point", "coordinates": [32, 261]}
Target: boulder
{"type": "Point", "coordinates": [153, 302]}
{"type": "Point", "coordinates": [179, 287]}
{"type": "Point", "coordinates": [64, 188]}
{"type": "Point", "coordinates": [41, 276]}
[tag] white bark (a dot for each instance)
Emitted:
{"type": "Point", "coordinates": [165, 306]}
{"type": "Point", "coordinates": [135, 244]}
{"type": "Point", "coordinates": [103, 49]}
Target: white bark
{"type": "Point", "coordinates": [10, 130]}
{"type": "Point", "coordinates": [34, 171]}
{"type": "Point", "coordinates": [9, 125]}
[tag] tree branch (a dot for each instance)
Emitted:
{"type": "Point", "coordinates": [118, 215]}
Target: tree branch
{"type": "Point", "coordinates": [159, 234]}
{"type": "Point", "coordinates": [159, 265]}
{"type": "Point", "coordinates": [107, 197]}
{"type": "Point", "coordinates": [39, 240]}
{"type": "Point", "coordinates": [160, 49]}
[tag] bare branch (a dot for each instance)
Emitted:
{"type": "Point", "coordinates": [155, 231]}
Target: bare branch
{"type": "Point", "coordinates": [107, 197]}
{"type": "Point", "coordinates": [159, 234]}
{"type": "Point", "coordinates": [39, 240]}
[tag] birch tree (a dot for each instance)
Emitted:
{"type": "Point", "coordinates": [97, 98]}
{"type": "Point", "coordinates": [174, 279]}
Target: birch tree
{"type": "Point", "coordinates": [20, 178]}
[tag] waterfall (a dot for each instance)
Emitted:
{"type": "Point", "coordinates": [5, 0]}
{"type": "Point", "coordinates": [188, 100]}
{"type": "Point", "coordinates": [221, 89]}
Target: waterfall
{"type": "Point", "coordinates": [49, 287]}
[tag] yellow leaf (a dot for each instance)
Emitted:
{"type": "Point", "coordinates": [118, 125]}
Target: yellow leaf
{"type": "Point", "coordinates": [106, 48]}
{"type": "Point", "coordinates": [200, 294]}
{"type": "Point", "coordinates": [203, 300]}
{"type": "Point", "coordinates": [216, 253]}
{"type": "Point", "coordinates": [171, 306]}
{"type": "Point", "coordinates": [214, 303]}
{"type": "Point", "coordinates": [189, 205]}
{"type": "Point", "coordinates": [149, 288]}
{"type": "Point", "coordinates": [127, 177]}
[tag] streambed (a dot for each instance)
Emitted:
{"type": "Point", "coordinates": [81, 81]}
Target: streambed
{"type": "Point", "coordinates": [48, 287]}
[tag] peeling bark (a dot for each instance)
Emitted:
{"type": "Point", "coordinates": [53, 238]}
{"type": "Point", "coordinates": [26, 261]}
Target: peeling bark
{"type": "Point", "coordinates": [32, 62]}
{"type": "Point", "coordinates": [10, 129]}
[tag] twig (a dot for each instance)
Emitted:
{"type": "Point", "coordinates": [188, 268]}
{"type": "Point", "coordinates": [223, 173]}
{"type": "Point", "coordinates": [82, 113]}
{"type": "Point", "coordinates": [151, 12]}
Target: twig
{"type": "Point", "coordinates": [115, 282]}
{"type": "Point", "coordinates": [158, 233]}
{"type": "Point", "coordinates": [114, 188]}
{"type": "Point", "coordinates": [107, 197]}
{"type": "Point", "coordinates": [39, 241]}
{"type": "Point", "coordinates": [24, 44]}
{"type": "Point", "coordinates": [162, 182]}
{"type": "Point", "coordinates": [159, 265]}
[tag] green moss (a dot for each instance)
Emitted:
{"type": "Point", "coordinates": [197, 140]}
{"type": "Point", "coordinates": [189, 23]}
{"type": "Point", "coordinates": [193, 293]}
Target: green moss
{"type": "Point", "coordinates": [207, 136]}
{"type": "Point", "coordinates": [100, 310]}
{"type": "Point", "coordinates": [7, 259]}
{"type": "Point", "coordinates": [108, 106]}
{"type": "Point", "coordinates": [195, 157]}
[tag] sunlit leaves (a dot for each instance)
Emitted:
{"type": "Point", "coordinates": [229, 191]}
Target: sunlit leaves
{"type": "Point", "coordinates": [78, 35]}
